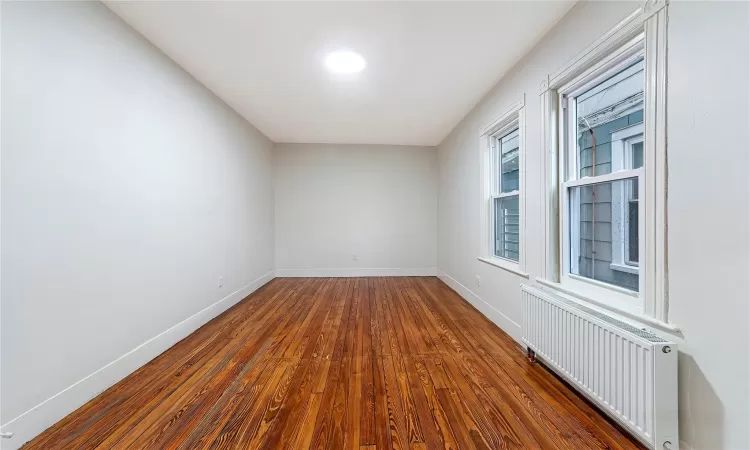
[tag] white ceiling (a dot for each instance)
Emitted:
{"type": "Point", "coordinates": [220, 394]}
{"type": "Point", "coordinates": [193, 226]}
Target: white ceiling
{"type": "Point", "coordinates": [428, 63]}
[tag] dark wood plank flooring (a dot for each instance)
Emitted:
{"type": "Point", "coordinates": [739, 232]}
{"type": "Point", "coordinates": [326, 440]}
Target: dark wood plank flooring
{"type": "Point", "coordinates": [334, 363]}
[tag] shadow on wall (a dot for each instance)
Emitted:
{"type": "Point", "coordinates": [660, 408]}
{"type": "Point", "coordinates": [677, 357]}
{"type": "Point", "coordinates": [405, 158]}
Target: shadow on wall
{"type": "Point", "coordinates": [701, 411]}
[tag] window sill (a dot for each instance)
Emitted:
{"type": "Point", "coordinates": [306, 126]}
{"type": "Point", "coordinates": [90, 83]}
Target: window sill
{"type": "Point", "coordinates": [624, 268]}
{"type": "Point", "coordinates": [505, 265]}
{"type": "Point", "coordinates": [629, 314]}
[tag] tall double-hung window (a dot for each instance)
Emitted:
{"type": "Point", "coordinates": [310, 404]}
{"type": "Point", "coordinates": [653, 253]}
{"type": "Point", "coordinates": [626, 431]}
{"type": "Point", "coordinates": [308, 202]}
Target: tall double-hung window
{"type": "Point", "coordinates": [604, 158]}
{"type": "Point", "coordinates": [503, 190]}
{"type": "Point", "coordinates": [604, 154]}
{"type": "Point", "coordinates": [505, 211]}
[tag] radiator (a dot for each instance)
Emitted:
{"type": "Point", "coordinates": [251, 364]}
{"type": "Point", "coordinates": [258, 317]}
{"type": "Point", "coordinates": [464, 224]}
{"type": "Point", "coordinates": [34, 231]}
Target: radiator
{"type": "Point", "coordinates": [630, 374]}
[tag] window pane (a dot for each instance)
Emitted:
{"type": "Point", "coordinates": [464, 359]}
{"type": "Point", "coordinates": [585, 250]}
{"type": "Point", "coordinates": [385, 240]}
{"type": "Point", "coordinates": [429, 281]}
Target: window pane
{"type": "Point", "coordinates": [632, 256]}
{"type": "Point", "coordinates": [506, 227]}
{"type": "Point", "coordinates": [604, 232]}
{"type": "Point", "coordinates": [509, 162]}
{"type": "Point", "coordinates": [608, 107]}
{"type": "Point", "coordinates": [637, 155]}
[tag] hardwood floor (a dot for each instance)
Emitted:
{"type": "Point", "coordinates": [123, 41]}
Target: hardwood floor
{"type": "Point", "coordinates": [326, 363]}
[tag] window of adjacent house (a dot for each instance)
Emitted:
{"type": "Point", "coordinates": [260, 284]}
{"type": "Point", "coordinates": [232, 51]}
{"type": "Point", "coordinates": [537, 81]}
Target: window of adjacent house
{"type": "Point", "coordinates": [505, 195]}
{"type": "Point", "coordinates": [604, 175]}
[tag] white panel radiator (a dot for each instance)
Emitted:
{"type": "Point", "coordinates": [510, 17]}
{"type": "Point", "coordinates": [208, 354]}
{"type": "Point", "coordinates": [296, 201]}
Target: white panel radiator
{"type": "Point", "coordinates": [629, 373]}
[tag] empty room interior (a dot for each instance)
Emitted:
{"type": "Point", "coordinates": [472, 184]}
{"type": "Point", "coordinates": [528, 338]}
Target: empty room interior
{"type": "Point", "coordinates": [375, 224]}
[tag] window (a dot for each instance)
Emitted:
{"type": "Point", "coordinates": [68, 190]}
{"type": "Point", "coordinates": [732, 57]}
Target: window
{"type": "Point", "coordinates": [604, 171]}
{"type": "Point", "coordinates": [505, 197]}
{"type": "Point", "coordinates": [604, 141]}
{"type": "Point", "coordinates": [627, 153]}
{"type": "Point", "coordinates": [502, 202]}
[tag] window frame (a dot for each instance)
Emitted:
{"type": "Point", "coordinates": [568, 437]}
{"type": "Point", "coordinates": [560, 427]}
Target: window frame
{"type": "Point", "coordinates": [644, 31]}
{"type": "Point", "coordinates": [489, 138]}
{"type": "Point", "coordinates": [570, 177]}
{"type": "Point", "coordinates": [496, 181]}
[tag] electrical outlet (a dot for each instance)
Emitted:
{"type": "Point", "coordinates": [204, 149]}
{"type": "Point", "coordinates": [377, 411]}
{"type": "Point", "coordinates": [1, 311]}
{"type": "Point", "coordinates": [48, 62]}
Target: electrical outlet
{"type": "Point", "coordinates": [354, 257]}
{"type": "Point", "coordinates": [479, 281]}
{"type": "Point", "coordinates": [221, 282]}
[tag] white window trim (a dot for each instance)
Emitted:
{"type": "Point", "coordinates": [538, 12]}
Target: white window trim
{"type": "Point", "coordinates": [514, 117]}
{"type": "Point", "coordinates": [642, 30]}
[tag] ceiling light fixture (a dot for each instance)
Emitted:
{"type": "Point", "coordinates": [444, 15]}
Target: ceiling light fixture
{"type": "Point", "coordinates": [344, 61]}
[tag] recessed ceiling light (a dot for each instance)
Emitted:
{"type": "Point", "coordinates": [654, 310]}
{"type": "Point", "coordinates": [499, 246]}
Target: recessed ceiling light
{"type": "Point", "coordinates": [345, 61]}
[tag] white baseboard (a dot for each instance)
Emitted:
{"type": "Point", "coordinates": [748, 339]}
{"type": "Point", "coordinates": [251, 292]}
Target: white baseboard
{"type": "Point", "coordinates": [31, 423]}
{"type": "Point", "coordinates": [498, 318]}
{"type": "Point", "coordinates": [379, 272]}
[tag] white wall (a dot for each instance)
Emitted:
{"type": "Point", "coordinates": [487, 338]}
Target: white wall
{"type": "Point", "coordinates": [128, 189]}
{"type": "Point", "coordinates": [709, 158]}
{"type": "Point", "coordinates": [709, 205]}
{"type": "Point", "coordinates": [376, 201]}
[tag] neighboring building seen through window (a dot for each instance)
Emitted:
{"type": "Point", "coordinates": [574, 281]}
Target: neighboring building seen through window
{"type": "Point", "coordinates": [603, 215]}
{"type": "Point", "coordinates": [505, 198]}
